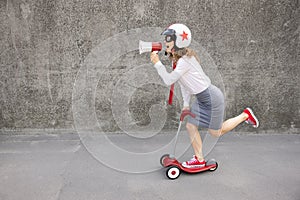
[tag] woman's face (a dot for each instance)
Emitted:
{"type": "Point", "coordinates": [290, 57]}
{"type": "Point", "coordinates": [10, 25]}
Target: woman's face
{"type": "Point", "coordinates": [169, 46]}
{"type": "Point", "coordinates": [169, 42]}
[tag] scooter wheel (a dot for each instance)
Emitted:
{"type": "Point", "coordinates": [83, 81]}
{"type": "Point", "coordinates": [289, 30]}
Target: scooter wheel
{"type": "Point", "coordinates": [162, 159]}
{"type": "Point", "coordinates": [214, 168]}
{"type": "Point", "coordinates": [173, 172]}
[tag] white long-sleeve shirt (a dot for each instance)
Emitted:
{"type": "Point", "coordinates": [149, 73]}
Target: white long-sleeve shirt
{"type": "Point", "coordinates": [189, 74]}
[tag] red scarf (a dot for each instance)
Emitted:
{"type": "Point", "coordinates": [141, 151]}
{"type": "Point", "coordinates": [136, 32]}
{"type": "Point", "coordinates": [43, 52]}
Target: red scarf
{"type": "Point", "coordinates": [172, 87]}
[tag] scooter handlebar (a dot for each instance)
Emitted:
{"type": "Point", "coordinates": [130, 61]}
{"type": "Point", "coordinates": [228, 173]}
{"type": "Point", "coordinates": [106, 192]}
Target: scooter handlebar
{"type": "Point", "coordinates": [185, 113]}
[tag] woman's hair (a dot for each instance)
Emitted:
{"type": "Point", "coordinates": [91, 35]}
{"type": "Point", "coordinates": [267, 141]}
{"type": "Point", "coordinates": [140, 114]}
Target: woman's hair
{"type": "Point", "coordinates": [185, 51]}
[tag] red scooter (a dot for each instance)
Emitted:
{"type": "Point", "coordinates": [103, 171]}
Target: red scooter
{"type": "Point", "coordinates": [174, 166]}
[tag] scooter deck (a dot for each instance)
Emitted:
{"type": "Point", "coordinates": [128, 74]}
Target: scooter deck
{"type": "Point", "coordinates": [167, 162]}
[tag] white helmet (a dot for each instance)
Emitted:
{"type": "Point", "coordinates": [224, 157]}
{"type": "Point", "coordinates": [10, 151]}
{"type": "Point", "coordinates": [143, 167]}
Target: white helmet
{"type": "Point", "coordinates": [179, 33]}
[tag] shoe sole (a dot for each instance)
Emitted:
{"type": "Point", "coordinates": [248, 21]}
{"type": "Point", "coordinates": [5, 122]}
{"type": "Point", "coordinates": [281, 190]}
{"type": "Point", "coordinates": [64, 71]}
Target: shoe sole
{"type": "Point", "coordinates": [254, 117]}
{"type": "Point", "coordinates": [193, 166]}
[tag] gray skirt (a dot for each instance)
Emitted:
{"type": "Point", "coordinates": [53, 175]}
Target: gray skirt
{"type": "Point", "coordinates": [209, 109]}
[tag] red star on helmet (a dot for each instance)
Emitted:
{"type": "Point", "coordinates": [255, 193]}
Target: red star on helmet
{"type": "Point", "coordinates": [184, 36]}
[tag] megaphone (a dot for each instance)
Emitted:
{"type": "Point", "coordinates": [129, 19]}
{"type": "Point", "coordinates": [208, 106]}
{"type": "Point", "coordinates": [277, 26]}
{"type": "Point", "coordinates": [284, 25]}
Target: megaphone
{"type": "Point", "coordinates": [149, 46]}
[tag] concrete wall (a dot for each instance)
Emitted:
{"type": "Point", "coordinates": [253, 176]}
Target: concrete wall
{"type": "Point", "coordinates": [43, 45]}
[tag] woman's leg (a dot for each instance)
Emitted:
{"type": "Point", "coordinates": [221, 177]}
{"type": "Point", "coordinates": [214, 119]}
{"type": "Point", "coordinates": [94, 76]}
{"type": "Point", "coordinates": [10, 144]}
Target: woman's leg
{"type": "Point", "coordinates": [229, 124]}
{"type": "Point", "coordinates": [195, 140]}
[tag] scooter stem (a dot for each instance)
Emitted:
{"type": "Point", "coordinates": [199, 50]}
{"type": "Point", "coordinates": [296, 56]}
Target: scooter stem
{"type": "Point", "coordinates": [182, 116]}
{"type": "Point", "coordinates": [175, 143]}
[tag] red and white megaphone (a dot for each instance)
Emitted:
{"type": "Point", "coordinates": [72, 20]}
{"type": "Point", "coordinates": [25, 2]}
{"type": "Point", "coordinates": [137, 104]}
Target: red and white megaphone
{"type": "Point", "coordinates": [149, 46]}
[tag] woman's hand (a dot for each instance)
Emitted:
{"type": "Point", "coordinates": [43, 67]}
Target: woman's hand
{"type": "Point", "coordinates": [185, 108]}
{"type": "Point", "coordinates": [154, 57]}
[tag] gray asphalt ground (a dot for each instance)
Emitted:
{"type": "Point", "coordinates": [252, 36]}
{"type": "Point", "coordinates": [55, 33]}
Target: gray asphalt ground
{"type": "Point", "coordinates": [58, 166]}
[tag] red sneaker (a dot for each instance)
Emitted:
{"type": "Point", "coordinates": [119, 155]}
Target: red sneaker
{"type": "Point", "coordinates": [252, 118]}
{"type": "Point", "coordinates": [194, 162]}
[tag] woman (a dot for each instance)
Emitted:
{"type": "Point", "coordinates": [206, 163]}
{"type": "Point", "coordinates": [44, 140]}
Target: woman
{"type": "Point", "coordinates": [209, 104]}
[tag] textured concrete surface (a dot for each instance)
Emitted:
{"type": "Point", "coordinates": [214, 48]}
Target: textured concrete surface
{"type": "Point", "coordinates": [57, 166]}
{"type": "Point", "coordinates": [44, 44]}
